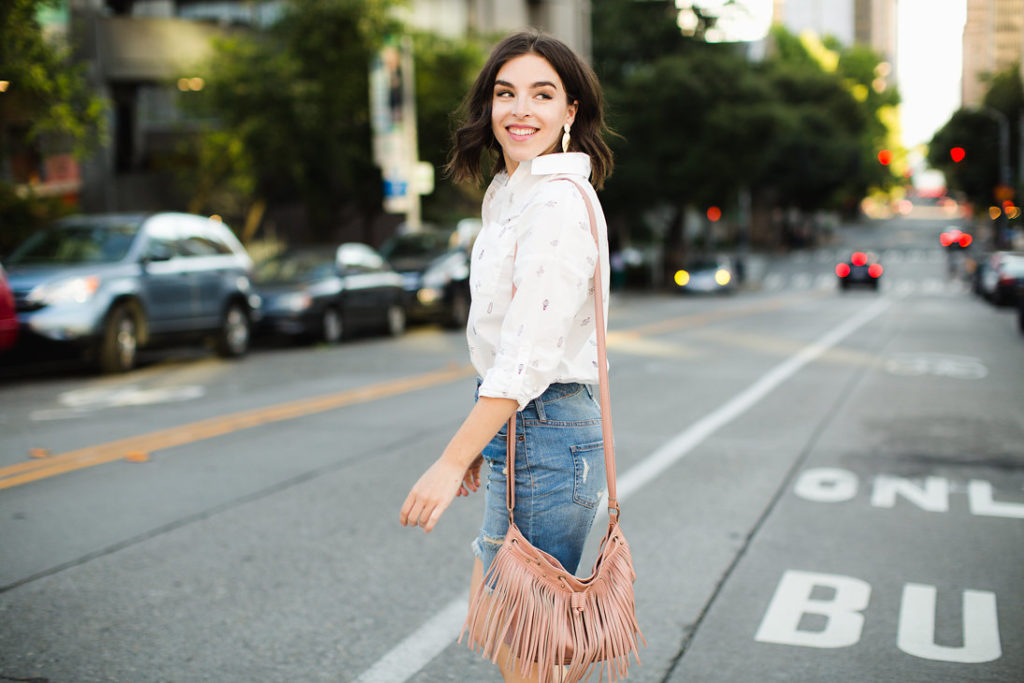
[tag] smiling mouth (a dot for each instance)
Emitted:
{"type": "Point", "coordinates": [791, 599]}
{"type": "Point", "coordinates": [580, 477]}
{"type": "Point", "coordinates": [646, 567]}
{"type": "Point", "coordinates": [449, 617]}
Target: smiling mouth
{"type": "Point", "coordinates": [520, 133]}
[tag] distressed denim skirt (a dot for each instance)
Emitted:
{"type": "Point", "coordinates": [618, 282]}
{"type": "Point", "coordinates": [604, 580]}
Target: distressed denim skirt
{"type": "Point", "coordinates": [559, 477]}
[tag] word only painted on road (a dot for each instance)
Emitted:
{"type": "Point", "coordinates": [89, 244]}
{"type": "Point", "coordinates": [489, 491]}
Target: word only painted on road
{"type": "Point", "coordinates": [798, 598]}
{"type": "Point", "coordinates": [836, 485]}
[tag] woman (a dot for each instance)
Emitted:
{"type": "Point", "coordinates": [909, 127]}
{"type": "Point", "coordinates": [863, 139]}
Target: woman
{"type": "Point", "coordinates": [531, 323]}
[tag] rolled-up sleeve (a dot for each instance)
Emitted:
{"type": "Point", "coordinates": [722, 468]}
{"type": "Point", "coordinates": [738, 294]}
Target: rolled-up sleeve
{"type": "Point", "coordinates": [554, 269]}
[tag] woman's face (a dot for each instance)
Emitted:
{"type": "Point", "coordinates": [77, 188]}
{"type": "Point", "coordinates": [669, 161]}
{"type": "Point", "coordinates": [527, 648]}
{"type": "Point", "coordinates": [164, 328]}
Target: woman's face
{"type": "Point", "coordinates": [528, 109]}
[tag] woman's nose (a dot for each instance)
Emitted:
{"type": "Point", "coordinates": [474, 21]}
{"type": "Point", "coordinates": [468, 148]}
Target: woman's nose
{"type": "Point", "coordinates": [522, 108]}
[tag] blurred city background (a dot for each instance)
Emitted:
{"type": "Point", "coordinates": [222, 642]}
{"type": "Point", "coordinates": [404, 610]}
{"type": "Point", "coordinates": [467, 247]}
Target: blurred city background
{"type": "Point", "coordinates": [234, 287]}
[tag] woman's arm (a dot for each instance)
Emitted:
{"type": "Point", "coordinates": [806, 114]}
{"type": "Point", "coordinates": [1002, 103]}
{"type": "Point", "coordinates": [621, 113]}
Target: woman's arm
{"type": "Point", "coordinates": [439, 485]}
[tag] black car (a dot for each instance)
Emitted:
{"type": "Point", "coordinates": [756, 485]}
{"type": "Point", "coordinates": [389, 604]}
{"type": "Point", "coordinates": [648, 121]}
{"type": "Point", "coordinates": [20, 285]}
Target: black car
{"type": "Point", "coordinates": [325, 292]}
{"type": "Point", "coordinates": [435, 275]}
{"type": "Point", "coordinates": [863, 269]}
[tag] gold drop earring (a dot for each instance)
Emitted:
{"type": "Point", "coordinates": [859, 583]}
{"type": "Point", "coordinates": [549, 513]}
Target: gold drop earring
{"type": "Point", "coordinates": [565, 138]}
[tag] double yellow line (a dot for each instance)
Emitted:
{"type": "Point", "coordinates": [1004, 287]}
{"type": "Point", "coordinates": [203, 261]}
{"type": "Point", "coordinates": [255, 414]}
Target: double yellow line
{"type": "Point", "coordinates": [139, 447]}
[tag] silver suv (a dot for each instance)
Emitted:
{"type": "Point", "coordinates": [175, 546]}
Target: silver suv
{"type": "Point", "coordinates": [112, 283]}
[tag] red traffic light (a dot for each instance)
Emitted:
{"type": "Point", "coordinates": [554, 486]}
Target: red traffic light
{"type": "Point", "coordinates": [957, 154]}
{"type": "Point", "coordinates": [885, 157]}
{"type": "Point", "coordinates": [714, 214]}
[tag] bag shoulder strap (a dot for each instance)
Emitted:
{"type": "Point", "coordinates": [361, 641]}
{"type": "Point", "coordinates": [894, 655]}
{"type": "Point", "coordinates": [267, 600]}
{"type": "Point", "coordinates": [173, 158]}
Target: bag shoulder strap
{"type": "Point", "coordinates": [605, 393]}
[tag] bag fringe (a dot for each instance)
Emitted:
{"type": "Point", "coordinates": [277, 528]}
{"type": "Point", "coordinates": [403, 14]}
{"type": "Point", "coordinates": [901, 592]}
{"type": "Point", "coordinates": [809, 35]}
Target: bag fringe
{"type": "Point", "coordinates": [528, 601]}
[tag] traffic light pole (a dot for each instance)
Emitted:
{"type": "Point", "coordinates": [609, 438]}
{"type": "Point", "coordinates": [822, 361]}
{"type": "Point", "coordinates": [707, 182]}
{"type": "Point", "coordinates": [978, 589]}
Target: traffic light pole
{"type": "Point", "coordinates": [1004, 168]}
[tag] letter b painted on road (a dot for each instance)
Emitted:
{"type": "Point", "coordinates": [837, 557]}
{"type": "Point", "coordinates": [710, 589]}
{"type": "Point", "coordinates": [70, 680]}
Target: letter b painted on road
{"type": "Point", "coordinates": [793, 599]}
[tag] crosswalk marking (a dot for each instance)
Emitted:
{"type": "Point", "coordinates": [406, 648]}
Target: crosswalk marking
{"type": "Point", "coordinates": [774, 282]}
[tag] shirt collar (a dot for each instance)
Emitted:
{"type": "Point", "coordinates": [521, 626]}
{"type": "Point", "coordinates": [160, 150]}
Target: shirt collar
{"type": "Point", "coordinates": [571, 163]}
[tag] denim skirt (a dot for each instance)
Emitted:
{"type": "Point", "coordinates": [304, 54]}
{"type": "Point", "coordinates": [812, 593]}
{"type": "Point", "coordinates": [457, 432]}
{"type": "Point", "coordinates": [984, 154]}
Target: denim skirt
{"type": "Point", "coordinates": [559, 477]}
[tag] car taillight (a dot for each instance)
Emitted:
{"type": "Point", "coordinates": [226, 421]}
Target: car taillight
{"type": "Point", "coordinates": [875, 270]}
{"type": "Point", "coordinates": [842, 270]}
{"type": "Point", "coordinates": [859, 258]}
{"type": "Point", "coordinates": [965, 240]}
{"type": "Point", "coordinates": [946, 238]}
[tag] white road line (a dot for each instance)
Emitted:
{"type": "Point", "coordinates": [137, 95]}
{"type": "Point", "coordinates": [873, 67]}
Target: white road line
{"type": "Point", "coordinates": [403, 661]}
{"type": "Point", "coordinates": [412, 654]}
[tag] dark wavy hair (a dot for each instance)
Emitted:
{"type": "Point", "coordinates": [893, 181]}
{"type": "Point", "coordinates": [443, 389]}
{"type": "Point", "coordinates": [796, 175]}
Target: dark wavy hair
{"type": "Point", "coordinates": [475, 138]}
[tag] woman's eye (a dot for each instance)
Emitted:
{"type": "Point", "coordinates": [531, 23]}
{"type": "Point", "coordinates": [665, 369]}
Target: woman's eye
{"type": "Point", "coordinates": [503, 93]}
{"type": "Point", "coordinates": [544, 96]}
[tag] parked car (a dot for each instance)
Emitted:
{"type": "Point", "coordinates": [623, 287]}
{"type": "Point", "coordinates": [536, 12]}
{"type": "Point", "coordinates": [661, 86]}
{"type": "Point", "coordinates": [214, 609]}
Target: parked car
{"type": "Point", "coordinates": [324, 292]}
{"type": "Point", "coordinates": [1008, 274]}
{"type": "Point", "coordinates": [988, 272]}
{"type": "Point", "coordinates": [110, 284]}
{"type": "Point", "coordinates": [715, 275]}
{"type": "Point", "coordinates": [1020, 308]}
{"type": "Point", "coordinates": [8, 317]}
{"type": "Point", "coordinates": [862, 269]}
{"type": "Point", "coordinates": [434, 265]}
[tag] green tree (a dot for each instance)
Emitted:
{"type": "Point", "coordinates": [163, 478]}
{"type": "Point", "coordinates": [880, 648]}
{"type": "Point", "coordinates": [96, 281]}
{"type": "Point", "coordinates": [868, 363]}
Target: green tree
{"type": "Point", "coordinates": [700, 124]}
{"type": "Point", "coordinates": [293, 103]}
{"type": "Point", "coordinates": [445, 70]}
{"type": "Point", "coordinates": [46, 107]}
{"type": "Point", "coordinates": [976, 131]}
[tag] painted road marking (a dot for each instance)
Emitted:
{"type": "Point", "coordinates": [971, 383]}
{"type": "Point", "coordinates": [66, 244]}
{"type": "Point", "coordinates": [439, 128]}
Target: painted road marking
{"type": "Point", "coordinates": [40, 468]}
{"type": "Point", "coordinates": [414, 652]}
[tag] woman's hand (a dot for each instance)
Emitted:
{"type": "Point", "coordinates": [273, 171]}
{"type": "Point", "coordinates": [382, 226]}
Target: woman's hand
{"type": "Point", "coordinates": [471, 480]}
{"type": "Point", "coordinates": [457, 471]}
{"type": "Point", "coordinates": [435, 491]}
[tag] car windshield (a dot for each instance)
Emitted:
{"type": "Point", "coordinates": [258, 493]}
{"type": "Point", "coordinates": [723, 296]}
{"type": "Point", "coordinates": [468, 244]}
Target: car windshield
{"type": "Point", "coordinates": [79, 242]}
{"type": "Point", "coordinates": [297, 266]}
{"type": "Point", "coordinates": [702, 265]}
{"type": "Point", "coordinates": [418, 244]}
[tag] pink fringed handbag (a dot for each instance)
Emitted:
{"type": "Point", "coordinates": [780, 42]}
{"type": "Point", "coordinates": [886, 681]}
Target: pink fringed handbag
{"type": "Point", "coordinates": [550, 619]}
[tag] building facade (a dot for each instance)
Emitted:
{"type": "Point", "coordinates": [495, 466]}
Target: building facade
{"type": "Point", "coordinates": [993, 41]}
{"type": "Point", "coordinates": [141, 56]}
{"type": "Point", "coordinates": [865, 22]}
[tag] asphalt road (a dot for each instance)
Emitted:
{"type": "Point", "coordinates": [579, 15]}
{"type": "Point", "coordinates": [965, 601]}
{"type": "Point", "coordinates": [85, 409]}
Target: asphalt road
{"type": "Point", "coordinates": [816, 485]}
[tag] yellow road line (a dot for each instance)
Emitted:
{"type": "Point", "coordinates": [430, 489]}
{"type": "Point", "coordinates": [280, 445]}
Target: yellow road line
{"type": "Point", "coordinates": [693, 320]}
{"type": "Point", "coordinates": [40, 468]}
{"type": "Point", "coordinates": [137, 447]}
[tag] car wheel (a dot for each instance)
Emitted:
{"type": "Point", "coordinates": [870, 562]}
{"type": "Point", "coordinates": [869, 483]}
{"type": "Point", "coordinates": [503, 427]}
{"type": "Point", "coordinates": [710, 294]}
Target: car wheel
{"type": "Point", "coordinates": [120, 342]}
{"type": "Point", "coordinates": [233, 335]}
{"type": "Point", "coordinates": [874, 285]}
{"type": "Point", "coordinates": [332, 327]}
{"type": "Point", "coordinates": [396, 320]}
{"type": "Point", "coordinates": [459, 312]}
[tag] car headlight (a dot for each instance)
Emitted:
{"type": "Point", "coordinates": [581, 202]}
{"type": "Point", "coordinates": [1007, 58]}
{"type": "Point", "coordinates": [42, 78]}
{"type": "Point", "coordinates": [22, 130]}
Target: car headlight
{"type": "Point", "coordinates": [73, 290]}
{"type": "Point", "coordinates": [723, 277]}
{"type": "Point", "coordinates": [297, 301]}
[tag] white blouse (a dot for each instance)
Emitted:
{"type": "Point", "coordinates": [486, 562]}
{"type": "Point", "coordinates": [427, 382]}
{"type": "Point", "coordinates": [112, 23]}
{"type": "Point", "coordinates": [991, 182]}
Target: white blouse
{"type": "Point", "coordinates": [536, 234]}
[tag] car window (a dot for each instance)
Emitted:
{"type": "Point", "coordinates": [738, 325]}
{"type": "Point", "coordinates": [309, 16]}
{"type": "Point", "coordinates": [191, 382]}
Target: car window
{"type": "Point", "coordinates": [296, 266]}
{"type": "Point", "coordinates": [72, 243]}
{"type": "Point", "coordinates": [359, 258]}
{"type": "Point", "coordinates": [416, 244]}
{"type": "Point", "coordinates": [202, 245]}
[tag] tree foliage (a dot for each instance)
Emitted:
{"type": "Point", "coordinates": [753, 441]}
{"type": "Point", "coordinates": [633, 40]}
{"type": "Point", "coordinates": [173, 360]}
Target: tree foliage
{"type": "Point", "coordinates": [700, 122]}
{"type": "Point", "coordinates": [976, 131]}
{"type": "Point", "coordinates": [46, 108]}
{"type": "Point", "coordinates": [292, 105]}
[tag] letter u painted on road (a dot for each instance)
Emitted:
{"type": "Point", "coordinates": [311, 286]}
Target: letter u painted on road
{"type": "Point", "coordinates": [917, 626]}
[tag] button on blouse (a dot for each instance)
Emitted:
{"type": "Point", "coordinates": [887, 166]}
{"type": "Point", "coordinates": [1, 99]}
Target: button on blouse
{"type": "Point", "coordinates": [536, 236]}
